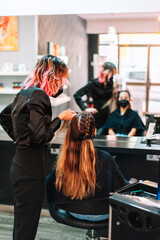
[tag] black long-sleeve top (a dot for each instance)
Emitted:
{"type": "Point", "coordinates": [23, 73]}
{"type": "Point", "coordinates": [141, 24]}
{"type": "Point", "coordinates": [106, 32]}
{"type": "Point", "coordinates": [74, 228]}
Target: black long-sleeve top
{"type": "Point", "coordinates": [28, 119]}
{"type": "Point", "coordinates": [108, 179]}
{"type": "Point", "coordinates": [123, 124]}
{"type": "Point", "coordinates": [100, 95]}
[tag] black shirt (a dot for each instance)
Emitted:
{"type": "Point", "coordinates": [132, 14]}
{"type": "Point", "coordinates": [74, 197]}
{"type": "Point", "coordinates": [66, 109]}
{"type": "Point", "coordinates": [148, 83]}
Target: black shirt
{"type": "Point", "coordinates": [123, 124]}
{"type": "Point", "coordinates": [28, 119]}
{"type": "Point", "coordinates": [100, 95]}
{"type": "Point", "coordinates": [108, 179]}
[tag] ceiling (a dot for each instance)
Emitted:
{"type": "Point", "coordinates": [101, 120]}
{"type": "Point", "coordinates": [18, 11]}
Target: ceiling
{"type": "Point", "coordinates": [52, 7]}
{"type": "Point", "coordinates": [109, 16]}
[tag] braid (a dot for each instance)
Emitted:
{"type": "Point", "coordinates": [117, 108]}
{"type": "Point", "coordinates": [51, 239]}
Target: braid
{"type": "Point", "coordinates": [75, 171]}
{"type": "Point", "coordinates": [86, 125]}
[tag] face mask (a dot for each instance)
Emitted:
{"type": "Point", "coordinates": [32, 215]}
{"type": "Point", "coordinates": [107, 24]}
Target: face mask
{"type": "Point", "coordinates": [58, 93]}
{"type": "Point", "coordinates": [123, 103]}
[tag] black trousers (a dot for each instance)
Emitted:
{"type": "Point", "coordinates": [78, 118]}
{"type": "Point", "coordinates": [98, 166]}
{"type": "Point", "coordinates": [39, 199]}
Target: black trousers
{"type": "Point", "coordinates": [27, 178]}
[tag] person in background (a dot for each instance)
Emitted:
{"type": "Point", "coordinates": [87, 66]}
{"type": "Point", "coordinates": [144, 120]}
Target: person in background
{"type": "Point", "coordinates": [101, 91]}
{"type": "Point", "coordinates": [82, 171]}
{"type": "Point", "coordinates": [123, 121]}
{"type": "Point", "coordinates": [28, 122]}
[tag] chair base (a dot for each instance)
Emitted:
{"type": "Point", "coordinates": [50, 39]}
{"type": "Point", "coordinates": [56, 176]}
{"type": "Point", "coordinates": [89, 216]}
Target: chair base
{"type": "Point", "coordinates": [93, 238]}
{"type": "Point", "coordinates": [94, 235]}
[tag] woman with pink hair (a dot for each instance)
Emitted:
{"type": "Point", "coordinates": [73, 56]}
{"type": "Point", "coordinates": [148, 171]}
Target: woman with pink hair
{"type": "Point", "coordinates": [28, 122]}
{"type": "Point", "coordinates": [100, 89]}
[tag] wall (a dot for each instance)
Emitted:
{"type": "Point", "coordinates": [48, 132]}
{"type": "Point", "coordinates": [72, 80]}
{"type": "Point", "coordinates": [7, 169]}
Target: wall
{"type": "Point", "coordinates": [27, 54]}
{"type": "Point", "coordinates": [70, 31]}
{"type": "Point", "coordinates": [27, 44]}
{"type": "Point", "coordinates": [134, 25]}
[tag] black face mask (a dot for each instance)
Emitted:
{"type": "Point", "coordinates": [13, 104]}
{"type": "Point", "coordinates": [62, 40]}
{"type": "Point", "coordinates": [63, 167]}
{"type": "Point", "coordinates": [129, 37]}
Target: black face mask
{"type": "Point", "coordinates": [123, 103]}
{"type": "Point", "coordinates": [58, 93]}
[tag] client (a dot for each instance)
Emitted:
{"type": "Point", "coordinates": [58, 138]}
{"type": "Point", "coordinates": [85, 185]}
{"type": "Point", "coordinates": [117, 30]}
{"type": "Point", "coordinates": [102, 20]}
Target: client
{"type": "Point", "coordinates": [82, 171]}
{"type": "Point", "coordinates": [123, 121]}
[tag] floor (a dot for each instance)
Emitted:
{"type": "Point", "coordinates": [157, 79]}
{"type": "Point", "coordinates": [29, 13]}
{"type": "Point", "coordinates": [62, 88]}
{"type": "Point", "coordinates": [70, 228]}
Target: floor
{"type": "Point", "coordinates": [48, 229]}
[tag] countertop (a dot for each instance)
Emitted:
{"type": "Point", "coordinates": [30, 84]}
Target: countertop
{"type": "Point", "coordinates": [111, 143]}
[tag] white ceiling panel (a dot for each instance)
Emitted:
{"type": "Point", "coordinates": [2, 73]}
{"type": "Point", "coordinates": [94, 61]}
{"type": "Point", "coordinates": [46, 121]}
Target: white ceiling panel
{"type": "Point", "coordinates": [47, 7]}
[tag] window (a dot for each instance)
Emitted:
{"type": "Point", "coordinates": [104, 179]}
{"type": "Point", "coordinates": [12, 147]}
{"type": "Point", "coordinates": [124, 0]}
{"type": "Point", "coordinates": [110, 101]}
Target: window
{"type": "Point", "coordinates": [139, 66]}
{"type": "Point", "coordinates": [138, 61]}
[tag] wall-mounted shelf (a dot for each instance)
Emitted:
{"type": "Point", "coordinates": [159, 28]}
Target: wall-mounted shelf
{"type": "Point", "coordinates": [9, 91]}
{"type": "Point", "coordinates": [7, 79]}
{"type": "Point", "coordinates": [14, 73]}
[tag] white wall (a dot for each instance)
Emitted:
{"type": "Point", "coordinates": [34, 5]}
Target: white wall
{"type": "Point", "coordinates": [71, 34]}
{"type": "Point", "coordinates": [27, 44]}
{"type": "Point", "coordinates": [27, 54]}
{"type": "Point", "coordinates": [124, 25]}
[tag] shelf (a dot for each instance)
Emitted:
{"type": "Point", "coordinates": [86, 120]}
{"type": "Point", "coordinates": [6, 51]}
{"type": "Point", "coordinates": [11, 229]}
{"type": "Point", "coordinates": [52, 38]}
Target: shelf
{"type": "Point", "coordinates": [14, 73]}
{"type": "Point", "coordinates": [15, 91]}
{"type": "Point", "coordinates": [9, 91]}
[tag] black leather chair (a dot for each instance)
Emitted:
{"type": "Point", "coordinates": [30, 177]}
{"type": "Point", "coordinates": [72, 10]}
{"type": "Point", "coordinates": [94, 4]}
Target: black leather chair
{"type": "Point", "coordinates": [59, 211]}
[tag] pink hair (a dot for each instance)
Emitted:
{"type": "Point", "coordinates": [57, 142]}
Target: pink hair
{"type": "Point", "coordinates": [50, 74]}
{"type": "Point", "coordinates": [102, 76]}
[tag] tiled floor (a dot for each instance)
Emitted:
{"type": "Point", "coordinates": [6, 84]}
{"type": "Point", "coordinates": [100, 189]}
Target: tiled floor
{"type": "Point", "coordinates": [48, 229]}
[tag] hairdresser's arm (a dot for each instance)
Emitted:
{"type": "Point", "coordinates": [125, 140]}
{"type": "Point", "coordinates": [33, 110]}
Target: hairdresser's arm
{"type": "Point", "coordinates": [41, 129]}
{"type": "Point", "coordinates": [66, 115]}
{"type": "Point", "coordinates": [111, 131]}
{"type": "Point", "coordinates": [132, 132]}
{"type": "Point", "coordinates": [81, 92]}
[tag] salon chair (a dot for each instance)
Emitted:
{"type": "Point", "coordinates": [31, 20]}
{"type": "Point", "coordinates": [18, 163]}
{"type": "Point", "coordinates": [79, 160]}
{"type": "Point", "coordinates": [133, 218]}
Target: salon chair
{"type": "Point", "coordinates": [59, 212]}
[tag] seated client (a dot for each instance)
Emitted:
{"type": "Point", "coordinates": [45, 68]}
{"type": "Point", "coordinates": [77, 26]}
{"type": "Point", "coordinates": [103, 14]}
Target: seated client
{"type": "Point", "coordinates": [123, 121]}
{"type": "Point", "coordinates": [82, 171]}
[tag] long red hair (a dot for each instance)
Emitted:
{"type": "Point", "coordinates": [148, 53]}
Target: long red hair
{"type": "Point", "coordinates": [49, 74]}
{"type": "Point", "coordinates": [75, 170]}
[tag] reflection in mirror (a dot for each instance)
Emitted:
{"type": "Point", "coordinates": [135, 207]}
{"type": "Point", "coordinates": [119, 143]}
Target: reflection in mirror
{"type": "Point", "coordinates": [77, 38]}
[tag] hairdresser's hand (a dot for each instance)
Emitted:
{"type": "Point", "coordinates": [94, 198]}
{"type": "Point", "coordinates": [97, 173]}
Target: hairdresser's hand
{"type": "Point", "coordinates": [91, 110]}
{"type": "Point", "coordinates": [67, 115]}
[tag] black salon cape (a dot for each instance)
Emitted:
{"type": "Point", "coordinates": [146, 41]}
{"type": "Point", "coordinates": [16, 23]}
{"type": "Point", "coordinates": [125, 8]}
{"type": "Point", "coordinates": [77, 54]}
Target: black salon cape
{"type": "Point", "coordinates": [100, 96]}
{"type": "Point", "coordinates": [122, 124]}
{"type": "Point", "coordinates": [108, 179]}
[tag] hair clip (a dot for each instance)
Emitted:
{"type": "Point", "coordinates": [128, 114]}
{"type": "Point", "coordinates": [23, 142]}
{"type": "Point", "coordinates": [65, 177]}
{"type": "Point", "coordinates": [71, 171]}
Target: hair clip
{"type": "Point", "coordinates": [87, 137]}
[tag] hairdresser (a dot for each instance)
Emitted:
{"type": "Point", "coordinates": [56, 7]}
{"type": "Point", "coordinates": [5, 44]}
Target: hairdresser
{"type": "Point", "coordinates": [101, 91]}
{"type": "Point", "coordinates": [28, 122]}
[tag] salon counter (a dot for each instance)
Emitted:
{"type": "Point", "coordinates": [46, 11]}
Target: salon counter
{"type": "Point", "coordinates": [135, 159]}
{"type": "Point", "coordinates": [110, 143]}
{"type": "Point", "coordinates": [114, 144]}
